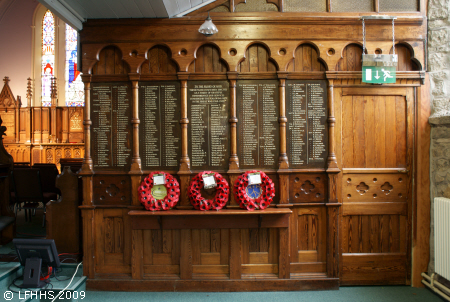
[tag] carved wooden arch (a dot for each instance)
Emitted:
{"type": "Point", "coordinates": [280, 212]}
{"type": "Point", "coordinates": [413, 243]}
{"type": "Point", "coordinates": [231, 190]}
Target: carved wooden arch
{"type": "Point", "coordinates": [351, 56]}
{"type": "Point", "coordinates": [276, 3]}
{"type": "Point", "coordinates": [297, 64]}
{"type": "Point", "coordinates": [164, 54]}
{"type": "Point", "coordinates": [113, 61]}
{"type": "Point", "coordinates": [406, 58]}
{"type": "Point", "coordinates": [208, 63]}
{"type": "Point", "coordinates": [250, 51]}
{"type": "Point", "coordinates": [231, 4]}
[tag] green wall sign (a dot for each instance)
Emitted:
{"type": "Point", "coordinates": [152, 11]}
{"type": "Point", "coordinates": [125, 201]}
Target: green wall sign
{"type": "Point", "coordinates": [378, 74]}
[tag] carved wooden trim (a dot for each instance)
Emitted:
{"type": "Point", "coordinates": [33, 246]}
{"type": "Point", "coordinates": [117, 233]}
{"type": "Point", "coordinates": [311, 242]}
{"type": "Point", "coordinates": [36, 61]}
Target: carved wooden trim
{"type": "Point", "coordinates": [332, 161]}
{"type": "Point", "coordinates": [88, 163]}
{"type": "Point", "coordinates": [185, 164]}
{"type": "Point", "coordinates": [135, 160]}
{"type": "Point", "coordinates": [283, 162]}
{"type": "Point", "coordinates": [234, 160]}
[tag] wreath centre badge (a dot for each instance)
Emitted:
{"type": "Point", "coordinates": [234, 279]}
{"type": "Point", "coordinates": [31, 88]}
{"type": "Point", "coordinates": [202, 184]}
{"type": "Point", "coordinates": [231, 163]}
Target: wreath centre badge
{"type": "Point", "coordinates": [159, 192]}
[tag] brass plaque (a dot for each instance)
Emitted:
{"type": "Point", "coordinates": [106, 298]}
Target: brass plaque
{"type": "Point", "coordinates": [209, 130]}
{"type": "Point", "coordinates": [111, 125]}
{"type": "Point", "coordinates": [160, 131]}
{"type": "Point", "coordinates": [258, 134]}
{"type": "Point", "coordinates": [307, 129]}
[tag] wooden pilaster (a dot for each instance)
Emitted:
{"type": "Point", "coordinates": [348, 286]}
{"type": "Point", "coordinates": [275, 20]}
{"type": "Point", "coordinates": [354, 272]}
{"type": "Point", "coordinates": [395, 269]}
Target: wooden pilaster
{"type": "Point", "coordinates": [185, 164]}
{"type": "Point", "coordinates": [87, 164]}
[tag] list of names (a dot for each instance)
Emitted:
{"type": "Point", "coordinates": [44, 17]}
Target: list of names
{"type": "Point", "coordinates": [258, 128]}
{"type": "Point", "coordinates": [208, 104]}
{"type": "Point", "coordinates": [159, 104]}
{"type": "Point", "coordinates": [111, 124]}
{"type": "Point", "coordinates": [306, 129]}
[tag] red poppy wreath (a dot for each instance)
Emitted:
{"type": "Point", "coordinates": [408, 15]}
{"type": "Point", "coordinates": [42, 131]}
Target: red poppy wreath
{"type": "Point", "coordinates": [203, 204]}
{"type": "Point", "coordinates": [254, 196]}
{"type": "Point", "coordinates": [161, 195]}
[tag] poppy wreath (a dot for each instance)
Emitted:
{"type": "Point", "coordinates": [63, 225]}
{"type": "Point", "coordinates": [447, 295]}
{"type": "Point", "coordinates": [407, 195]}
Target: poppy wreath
{"type": "Point", "coordinates": [169, 201]}
{"type": "Point", "coordinates": [263, 201]}
{"type": "Point", "coordinates": [203, 204]}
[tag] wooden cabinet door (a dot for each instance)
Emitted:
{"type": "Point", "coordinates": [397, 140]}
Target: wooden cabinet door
{"type": "Point", "coordinates": [377, 145]}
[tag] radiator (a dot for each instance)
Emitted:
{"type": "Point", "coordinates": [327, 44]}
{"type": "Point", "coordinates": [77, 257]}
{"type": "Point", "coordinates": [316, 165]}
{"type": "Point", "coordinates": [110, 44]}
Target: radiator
{"type": "Point", "coordinates": [442, 236]}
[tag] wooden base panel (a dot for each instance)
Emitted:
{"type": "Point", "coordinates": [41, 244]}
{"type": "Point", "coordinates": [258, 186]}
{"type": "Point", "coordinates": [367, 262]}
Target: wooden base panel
{"type": "Point", "coordinates": [212, 286]}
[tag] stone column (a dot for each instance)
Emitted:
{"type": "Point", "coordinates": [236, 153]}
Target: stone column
{"type": "Point", "coordinates": [439, 71]}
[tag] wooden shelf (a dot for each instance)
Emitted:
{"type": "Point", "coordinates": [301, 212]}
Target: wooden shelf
{"type": "Point", "coordinates": [208, 213]}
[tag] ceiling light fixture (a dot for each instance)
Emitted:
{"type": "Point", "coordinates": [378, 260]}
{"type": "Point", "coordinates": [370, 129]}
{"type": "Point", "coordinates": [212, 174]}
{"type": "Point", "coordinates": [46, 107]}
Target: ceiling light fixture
{"type": "Point", "coordinates": [208, 28]}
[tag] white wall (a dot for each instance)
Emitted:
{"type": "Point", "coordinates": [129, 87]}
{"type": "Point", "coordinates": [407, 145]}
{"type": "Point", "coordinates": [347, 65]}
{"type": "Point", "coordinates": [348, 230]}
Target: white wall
{"type": "Point", "coordinates": [16, 17]}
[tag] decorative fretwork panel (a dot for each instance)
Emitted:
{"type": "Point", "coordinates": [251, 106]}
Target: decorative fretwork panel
{"type": "Point", "coordinates": [307, 187]}
{"type": "Point", "coordinates": [114, 190]}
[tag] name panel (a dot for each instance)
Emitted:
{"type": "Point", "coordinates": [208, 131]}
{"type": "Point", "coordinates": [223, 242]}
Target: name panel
{"type": "Point", "coordinates": [160, 131]}
{"type": "Point", "coordinates": [111, 125]}
{"type": "Point", "coordinates": [257, 127]}
{"type": "Point", "coordinates": [208, 113]}
{"type": "Point", "coordinates": [307, 135]}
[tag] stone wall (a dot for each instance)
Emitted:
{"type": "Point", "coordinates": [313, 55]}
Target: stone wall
{"type": "Point", "coordinates": [439, 71]}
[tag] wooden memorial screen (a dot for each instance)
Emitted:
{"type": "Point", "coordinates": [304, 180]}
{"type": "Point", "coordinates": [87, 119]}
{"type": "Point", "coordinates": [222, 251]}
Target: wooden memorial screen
{"type": "Point", "coordinates": [295, 110]}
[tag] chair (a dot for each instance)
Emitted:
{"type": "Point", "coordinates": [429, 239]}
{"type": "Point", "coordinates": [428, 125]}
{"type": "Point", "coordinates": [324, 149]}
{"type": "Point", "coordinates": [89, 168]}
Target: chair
{"type": "Point", "coordinates": [28, 191]}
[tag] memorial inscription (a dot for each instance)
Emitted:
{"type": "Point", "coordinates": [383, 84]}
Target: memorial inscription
{"type": "Point", "coordinates": [160, 132]}
{"type": "Point", "coordinates": [208, 107]}
{"type": "Point", "coordinates": [258, 128]}
{"type": "Point", "coordinates": [306, 111]}
{"type": "Point", "coordinates": [111, 125]}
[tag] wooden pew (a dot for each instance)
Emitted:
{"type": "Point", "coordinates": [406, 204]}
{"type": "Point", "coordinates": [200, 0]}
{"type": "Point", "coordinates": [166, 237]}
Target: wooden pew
{"type": "Point", "coordinates": [63, 215]}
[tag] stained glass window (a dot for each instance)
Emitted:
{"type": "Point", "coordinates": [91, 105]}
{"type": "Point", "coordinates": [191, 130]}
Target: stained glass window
{"type": "Point", "coordinates": [48, 56]}
{"type": "Point", "coordinates": [74, 85]}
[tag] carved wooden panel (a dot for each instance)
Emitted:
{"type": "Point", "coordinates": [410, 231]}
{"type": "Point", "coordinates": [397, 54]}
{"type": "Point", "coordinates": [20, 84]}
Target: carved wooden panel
{"type": "Point", "coordinates": [159, 61]}
{"type": "Point", "coordinates": [76, 119]}
{"type": "Point", "coordinates": [257, 60]}
{"type": "Point", "coordinates": [306, 59]}
{"type": "Point", "coordinates": [308, 240]}
{"type": "Point", "coordinates": [307, 187]}
{"type": "Point", "coordinates": [259, 251]}
{"type": "Point", "coordinates": [19, 152]}
{"type": "Point", "coordinates": [161, 253]}
{"type": "Point", "coordinates": [112, 190]}
{"type": "Point", "coordinates": [210, 251]}
{"type": "Point", "coordinates": [208, 60]}
{"type": "Point", "coordinates": [374, 131]}
{"type": "Point", "coordinates": [110, 62]}
{"type": "Point", "coordinates": [375, 187]}
{"type": "Point", "coordinates": [374, 234]}
{"type": "Point", "coordinates": [112, 240]}
{"type": "Point", "coordinates": [9, 121]}
{"type": "Point", "coordinates": [351, 58]}
{"type": "Point", "coordinates": [404, 58]}
{"type": "Point", "coordinates": [52, 153]}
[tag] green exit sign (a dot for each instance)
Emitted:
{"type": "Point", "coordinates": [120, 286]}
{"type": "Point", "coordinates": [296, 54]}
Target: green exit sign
{"type": "Point", "coordinates": [378, 74]}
